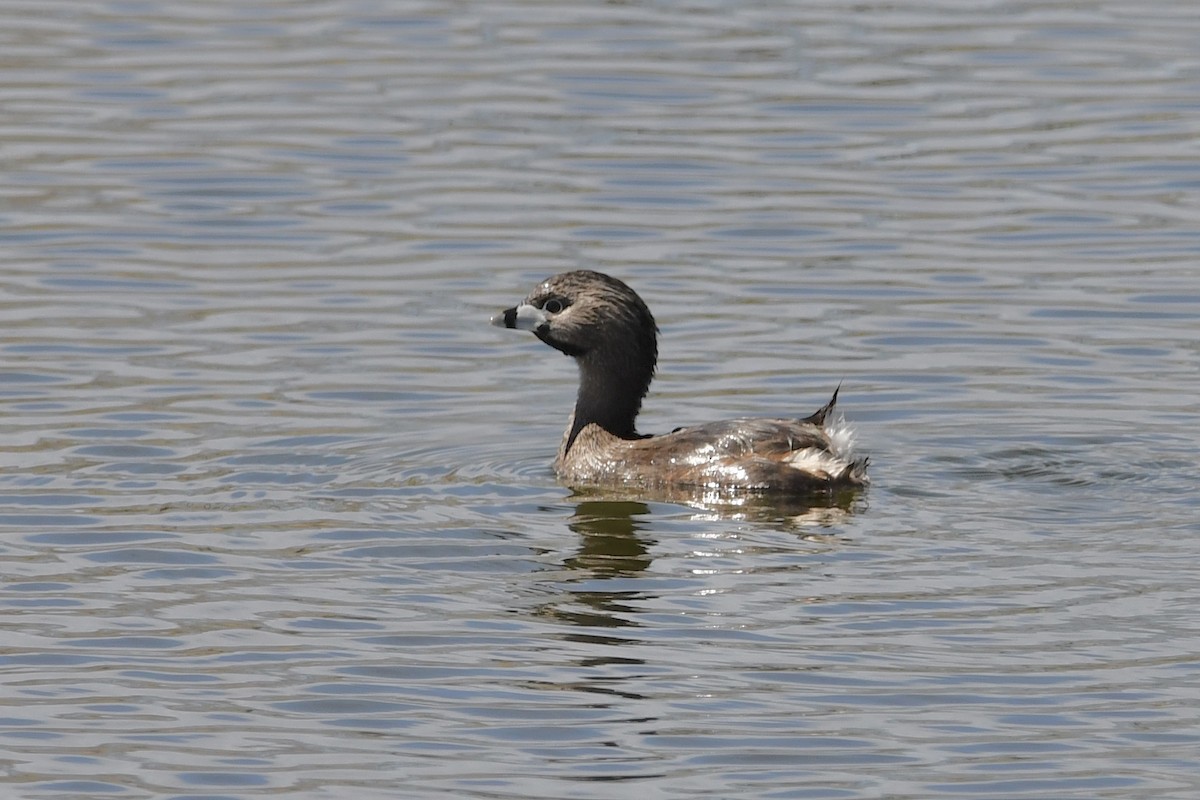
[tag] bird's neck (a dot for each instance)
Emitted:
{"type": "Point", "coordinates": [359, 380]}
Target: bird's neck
{"type": "Point", "coordinates": [611, 388]}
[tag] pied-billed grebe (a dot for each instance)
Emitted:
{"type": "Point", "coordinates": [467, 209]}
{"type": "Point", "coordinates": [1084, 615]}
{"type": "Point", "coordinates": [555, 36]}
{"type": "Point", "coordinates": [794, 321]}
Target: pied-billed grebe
{"type": "Point", "coordinates": [609, 331]}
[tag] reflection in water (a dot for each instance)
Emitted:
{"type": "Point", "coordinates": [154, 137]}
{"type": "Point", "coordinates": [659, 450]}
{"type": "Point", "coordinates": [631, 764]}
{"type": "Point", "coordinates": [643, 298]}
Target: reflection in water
{"type": "Point", "coordinates": [610, 545]}
{"type": "Point", "coordinates": [615, 550]}
{"type": "Point", "coordinates": [610, 548]}
{"type": "Point", "coordinates": [785, 512]}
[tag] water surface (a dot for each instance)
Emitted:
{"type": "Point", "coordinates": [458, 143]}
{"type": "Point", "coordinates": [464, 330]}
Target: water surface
{"type": "Point", "coordinates": [278, 518]}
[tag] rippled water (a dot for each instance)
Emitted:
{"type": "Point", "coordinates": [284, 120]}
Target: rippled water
{"type": "Point", "coordinates": [277, 512]}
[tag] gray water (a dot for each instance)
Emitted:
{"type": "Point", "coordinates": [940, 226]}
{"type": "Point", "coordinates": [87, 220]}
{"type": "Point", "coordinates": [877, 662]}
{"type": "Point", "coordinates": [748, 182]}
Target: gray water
{"type": "Point", "coordinates": [278, 517]}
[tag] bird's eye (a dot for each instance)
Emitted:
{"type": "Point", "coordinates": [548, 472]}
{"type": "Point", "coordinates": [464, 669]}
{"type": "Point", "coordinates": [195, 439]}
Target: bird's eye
{"type": "Point", "coordinates": [553, 305]}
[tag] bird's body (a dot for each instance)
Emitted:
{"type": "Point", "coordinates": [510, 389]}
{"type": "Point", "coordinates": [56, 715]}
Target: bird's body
{"type": "Point", "coordinates": [609, 331]}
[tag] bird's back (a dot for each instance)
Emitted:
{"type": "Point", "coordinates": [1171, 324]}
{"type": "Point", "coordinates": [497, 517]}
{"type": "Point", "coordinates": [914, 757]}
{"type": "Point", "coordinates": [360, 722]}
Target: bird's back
{"type": "Point", "coordinates": [777, 455]}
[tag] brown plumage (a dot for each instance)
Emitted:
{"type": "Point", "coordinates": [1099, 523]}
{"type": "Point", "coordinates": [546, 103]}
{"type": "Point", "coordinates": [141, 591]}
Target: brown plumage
{"type": "Point", "coordinates": [609, 331]}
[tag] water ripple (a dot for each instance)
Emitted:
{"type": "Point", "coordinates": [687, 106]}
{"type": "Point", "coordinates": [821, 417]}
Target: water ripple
{"type": "Point", "coordinates": [278, 508]}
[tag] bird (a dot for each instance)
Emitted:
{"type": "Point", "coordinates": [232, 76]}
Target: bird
{"type": "Point", "coordinates": [608, 329]}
